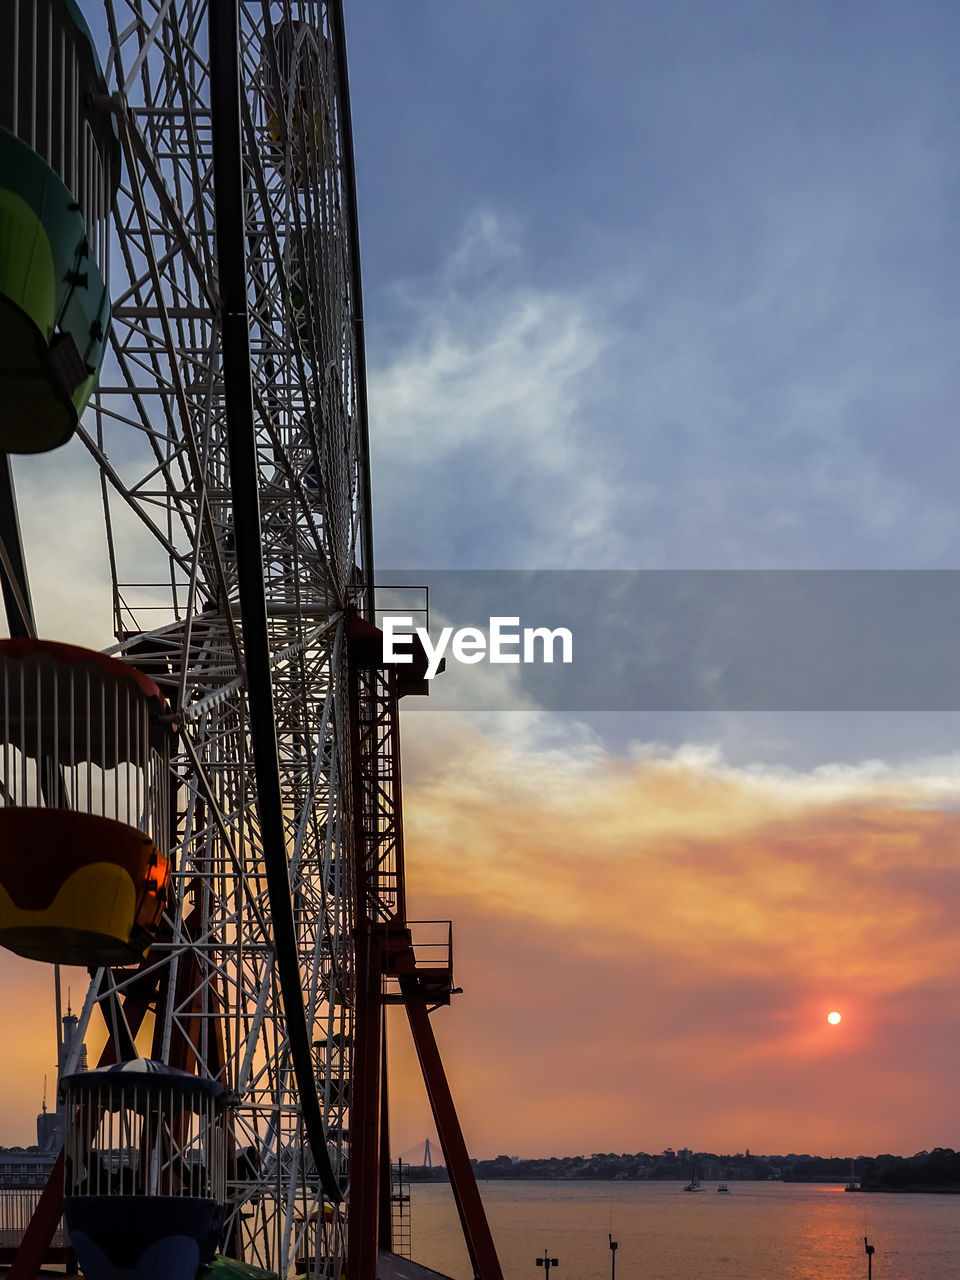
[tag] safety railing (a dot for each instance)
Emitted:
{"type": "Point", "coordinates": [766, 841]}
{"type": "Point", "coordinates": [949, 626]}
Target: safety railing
{"type": "Point", "coordinates": [17, 1206]}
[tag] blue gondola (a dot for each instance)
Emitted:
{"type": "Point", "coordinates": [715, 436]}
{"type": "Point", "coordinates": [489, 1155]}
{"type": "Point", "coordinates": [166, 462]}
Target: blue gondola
{"type": "Point", "coordinates": [145, 1171]}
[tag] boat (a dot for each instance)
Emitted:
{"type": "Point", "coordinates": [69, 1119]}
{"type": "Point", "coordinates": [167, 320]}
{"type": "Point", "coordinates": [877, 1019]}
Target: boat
{"type": "Point", "coordinates": [694, 1183]}
{"type": "Point", "coordinates": [723, 1189]}
{"type": "Point", "coordinates": [853, 1184]}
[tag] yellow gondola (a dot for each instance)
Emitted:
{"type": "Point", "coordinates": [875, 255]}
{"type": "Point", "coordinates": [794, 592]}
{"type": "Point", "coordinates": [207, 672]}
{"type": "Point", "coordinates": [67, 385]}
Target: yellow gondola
{"type": "Point", "coordinates": [298, 114]}
{"type": "Point", "coordinates": [84, 804]}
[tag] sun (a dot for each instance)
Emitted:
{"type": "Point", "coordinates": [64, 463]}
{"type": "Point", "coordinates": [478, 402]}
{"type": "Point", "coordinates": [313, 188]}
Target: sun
{"type": "Point", "coordinates": [833, 1018]}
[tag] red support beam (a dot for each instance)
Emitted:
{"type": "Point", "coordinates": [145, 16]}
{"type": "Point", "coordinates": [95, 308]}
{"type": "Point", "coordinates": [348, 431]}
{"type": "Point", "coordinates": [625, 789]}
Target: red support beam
{"type": "Point", "coordinates": [473, 1218]}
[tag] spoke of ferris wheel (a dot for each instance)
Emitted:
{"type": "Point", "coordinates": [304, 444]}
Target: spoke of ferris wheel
{"type": "Point", "coordinates": [140, 161]}
{"type": "Point", "coordinates": [108, 471]}
{"type": "Point", "coordinates": [266, 417]}
{"type": "Point", "coordinates": [137, 146]}
{"type": "Point", "coordinates": [235, 860]}
{"type": "Point", "coordinates": [186, 419]}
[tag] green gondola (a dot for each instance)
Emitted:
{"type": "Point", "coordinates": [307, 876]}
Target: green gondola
{"type": "Point", "coordinates": [59, 165]}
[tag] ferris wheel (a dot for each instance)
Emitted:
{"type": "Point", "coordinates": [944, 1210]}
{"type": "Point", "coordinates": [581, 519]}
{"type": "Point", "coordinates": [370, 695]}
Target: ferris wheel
{"type": "Point", "coordinates": [233, 608]}
{"type": "Point", "coordinates": [218, 793]}
{"type": "Point", "coordinates": [260, 936]}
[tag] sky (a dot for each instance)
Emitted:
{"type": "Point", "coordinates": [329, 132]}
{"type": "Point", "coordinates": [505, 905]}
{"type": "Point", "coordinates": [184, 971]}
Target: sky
{"type": "Point", "coordinates": [657, 286]}
{"type": "Point", "coordinates": [654, 286]}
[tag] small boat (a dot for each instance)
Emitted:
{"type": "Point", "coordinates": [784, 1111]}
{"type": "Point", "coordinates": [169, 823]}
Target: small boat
{"type": "Point", "coordinates": [723, 1189]}
{"type": "Point", "coordinates": [853, 1184]}
{"type": "Point", "coordinates": [694, 1183]}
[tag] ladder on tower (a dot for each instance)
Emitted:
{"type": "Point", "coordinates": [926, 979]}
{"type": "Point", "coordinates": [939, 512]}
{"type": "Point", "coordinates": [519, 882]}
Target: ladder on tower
{"type": "Point", "coordinates": [400, 1207]}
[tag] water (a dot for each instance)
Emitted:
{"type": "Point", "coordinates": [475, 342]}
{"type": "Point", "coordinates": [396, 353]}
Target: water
{"type": "Point", "coordinates": [760, 1231]}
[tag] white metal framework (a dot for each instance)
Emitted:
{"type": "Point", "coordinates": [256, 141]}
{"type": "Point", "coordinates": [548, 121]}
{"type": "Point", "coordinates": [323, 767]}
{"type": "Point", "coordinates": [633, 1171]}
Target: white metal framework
{"type": "Point", "coordinates": [212, 1002]}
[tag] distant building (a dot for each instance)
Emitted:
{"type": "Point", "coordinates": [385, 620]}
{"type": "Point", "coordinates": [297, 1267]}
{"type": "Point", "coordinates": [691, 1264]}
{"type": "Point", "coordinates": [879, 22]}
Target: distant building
{"type": "Point", "coordinates": [22, 1169]}
{"type": "Point", "coordinates": [51, 1124]}
{"type": "Point", "coordinates": [49, 1131]}
{"type": "Point", "coordinates": [71, 1033]}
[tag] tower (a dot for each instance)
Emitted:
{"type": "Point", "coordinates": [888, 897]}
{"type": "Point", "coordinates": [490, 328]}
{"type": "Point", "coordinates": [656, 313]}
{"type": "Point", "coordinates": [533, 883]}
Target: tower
{"type": "Point", "coordinates": [49, 1131]}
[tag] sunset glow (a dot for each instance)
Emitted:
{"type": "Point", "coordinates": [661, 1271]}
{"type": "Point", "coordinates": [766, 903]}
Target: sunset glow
{"type": "Point", "coordinates": [644, 944]}
{"type": "Point", "coordinates": [833, 1017]}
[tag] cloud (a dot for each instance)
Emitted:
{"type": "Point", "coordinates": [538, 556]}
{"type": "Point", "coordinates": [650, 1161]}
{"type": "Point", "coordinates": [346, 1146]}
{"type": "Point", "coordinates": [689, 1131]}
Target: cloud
{"type": "Point", "coordinates": [669, 931]}
{"type": "Point", "coordinates": [666, 411]}
{"type": "Point", "coordinates": [479, 430]}
{"type": "Point", "coordinates": [65, 546]}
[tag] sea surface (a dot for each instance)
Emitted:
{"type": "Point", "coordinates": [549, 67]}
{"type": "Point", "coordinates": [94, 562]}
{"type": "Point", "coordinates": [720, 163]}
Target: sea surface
{"type": "Point", "coordinates": [760, 1231]}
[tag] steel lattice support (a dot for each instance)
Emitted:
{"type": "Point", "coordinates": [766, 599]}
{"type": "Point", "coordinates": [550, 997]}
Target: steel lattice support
{"type": "Point", "coordinates": [378, 835]}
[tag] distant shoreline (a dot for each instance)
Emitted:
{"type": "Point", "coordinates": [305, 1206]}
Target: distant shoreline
{"type": "Point", "coordinates": [743, 1182]}
{"type": "Point", "coordinates": [936, 1171]}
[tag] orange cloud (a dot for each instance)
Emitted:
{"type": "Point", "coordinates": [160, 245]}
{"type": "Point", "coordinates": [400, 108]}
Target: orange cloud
{"type": "Point", "coordinates": [649, 950]}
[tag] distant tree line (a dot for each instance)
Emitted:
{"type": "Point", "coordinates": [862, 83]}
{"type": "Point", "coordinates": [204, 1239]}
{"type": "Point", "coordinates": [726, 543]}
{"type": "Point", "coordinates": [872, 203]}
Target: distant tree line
{"type": "Point", "coordinates": [936, 1171]}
